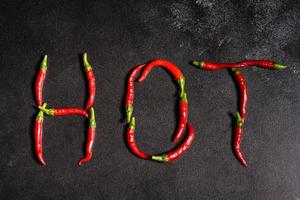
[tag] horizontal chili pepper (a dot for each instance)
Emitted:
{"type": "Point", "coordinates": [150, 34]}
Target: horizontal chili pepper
{"type": "Point", "coordinates": [39, 83]}
{"type": "Point", "coordinates": [259, 63]}
{"type": "Point", "coordinates": [38, 136]}
{"type": "Point", "coordinates": [91, 82]}
{"type": "Point", "coordinates": [173, 69]}
{"type": "Point", "coordinates": [64, 111]}
{"type": "Point", "coordinates": [180, 150]}
{"type": "Point", "coordinates": [131, 140]}
{"type": "Point", "coordinates": [183, 113]}
{"type": "Point", "coordinates": [241, 82]}
{"type": "Point", "coordinates": [238, 139]}
{"type": "Point", "coordinates": [90, 139]}
{"type": "Point", "coordinates": [130, 92]}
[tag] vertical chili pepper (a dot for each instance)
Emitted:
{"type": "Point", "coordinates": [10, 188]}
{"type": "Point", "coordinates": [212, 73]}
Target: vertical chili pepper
{"type": "Point", "coordinates": [91, 138]}
{"type": "Point", "coordinates": [183, 113]}
{"type": "Point", "coordinates": [173, 69]}
{"type": "Point", "coordinates": [131, 140]}
{"type": "Point", "coordinates": [259, 63]}
{"type": "Point", "coordinates": [64, 111]}
{"type": "Point", "coordinates": [240, 79]}
{"type": "Point", "coordinates": [238, 139]}
{"type": "Point", "coordinates": [91, 82]}
{"type": "Point", "coordinates": [39, 83]}
{"type": "Point", "coordinates": [38, 136]}
{"type": "Point", "coordinates": [180, 150]}
{"type": "Point", "coordinates": [130, 92]}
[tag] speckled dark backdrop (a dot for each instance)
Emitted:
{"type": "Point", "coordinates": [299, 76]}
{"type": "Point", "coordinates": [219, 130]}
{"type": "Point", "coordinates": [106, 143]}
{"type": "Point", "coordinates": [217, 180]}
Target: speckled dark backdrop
{"type": "Point", "coordinates": [121, 34]}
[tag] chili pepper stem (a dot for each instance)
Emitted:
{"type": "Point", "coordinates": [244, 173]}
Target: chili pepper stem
{"type": "Point", "coordinates": [160, 158]}
{"type": "Point", "coordinates": [132, 123]}
{"type": "Point", "coordinates": [92, 118]}
{"type": "Point", "coordinates": [129, 111]}
{"type": "Point", "coordinates": [198, 63]}
{"type": "Point", "coordinates": [184, 97]}
{"type": "Point", "coordinates": [181, 82]}
{"type": "Point", "coordinates": [235, 70]}
{"type": "Point", "coordinates": [46, 111]}
{"type": "Point", "coordinates": [86, 64]}
{"type": "Point", "coordinates": [44, 63]}
{"type": "Point", "coordinates": [239, 120]}
{"type": "Point", "coordinates": [279, 66]}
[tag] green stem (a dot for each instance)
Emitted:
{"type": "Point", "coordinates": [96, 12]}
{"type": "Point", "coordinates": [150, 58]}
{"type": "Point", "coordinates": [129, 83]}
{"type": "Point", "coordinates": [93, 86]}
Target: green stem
{"type": "Point", "coordinates": [40, 116]}
{"type": "Point", "coordinates": [235, 70]}
{"type": "Point", "coordinates": [86, 64]}
{"type": "Point", "coordinates": [239, 120]}
{"type": "Point", "coordinates": [181, 82]}
{"type": "Point", "coordinates": [92, 118]}
{"type": "Point", "coordinates": [129, 111]}
{"type": "Point", "coordinates": [132, 123]}
{"type": "Point", "coordinates": [279, 66]}
{"type": "Point", "coordinates": [184, 98]}
{"type": "Point", "coordinates": [160, 158]}
{"type": "Point", "coordinates": [44, 63]}
{"type": "Point", "coordinates": [49, 112]}
{"type": "Point", "coordinates": [198, 63]}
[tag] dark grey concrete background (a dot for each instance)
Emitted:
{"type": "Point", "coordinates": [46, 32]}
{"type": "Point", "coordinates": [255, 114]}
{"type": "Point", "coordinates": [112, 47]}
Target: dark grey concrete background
{"type": "Point", "coordinates": [121, 34]}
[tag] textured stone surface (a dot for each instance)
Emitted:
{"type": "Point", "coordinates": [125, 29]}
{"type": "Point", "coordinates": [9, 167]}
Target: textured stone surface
{"type": "Point", "coordinates": [118, 35]}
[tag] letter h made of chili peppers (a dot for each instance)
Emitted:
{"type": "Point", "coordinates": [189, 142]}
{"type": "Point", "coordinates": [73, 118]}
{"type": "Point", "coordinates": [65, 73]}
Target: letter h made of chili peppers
{"type": "Point", "coordinates": [38, 128]}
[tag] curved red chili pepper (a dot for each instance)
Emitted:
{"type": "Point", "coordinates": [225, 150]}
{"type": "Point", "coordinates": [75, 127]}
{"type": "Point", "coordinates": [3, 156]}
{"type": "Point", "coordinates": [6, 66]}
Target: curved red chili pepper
{"type": "Point", "coordinates": [131, 141]}
{"type": "Point", "coordinates": [130, 92]}
{"type": "Point", "coordinates": [64, 111]}
{"type": "Point", "coordinates": [173, 69]}
{"type": "Point", "coordinates": [180, 150]}
{"type": "Point", "coordinates": [183, 113]}
{"type": "Point", "coordinates": [238, 139]}
{"type": "Point", "coordinates": [90, 139]}
{"type": "Point", "coordinates": [248, 63]}
{"type": "Point", "coordinates": [243, 91]}
{"type": "Point", "coordinates": [38, 136]}
{"type": "Point", "coordinates": [39, 83]}
{"type": "Point", "coordinates": [91, 82]}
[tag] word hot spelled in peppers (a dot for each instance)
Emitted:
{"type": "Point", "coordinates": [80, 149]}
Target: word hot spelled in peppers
{"type": "Point", "coordinates": [38, 129]}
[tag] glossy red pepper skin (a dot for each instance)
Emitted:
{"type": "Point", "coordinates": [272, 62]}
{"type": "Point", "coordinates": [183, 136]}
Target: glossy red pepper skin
{"type": "Point", "coordinates": [183, 114]}
{"type": "Point", "coordinates": [241, 82]}
{"type": "Point", "coordinates": [238, 140]}
{"type": "Point", "coordinates": [91, 82]}
{"type": "Point", "coordinates": [39, 83]}
{"type": "Point", "coordinates": [90, 139]}
{"type": "Point", "coordinates": [130, 91]}
{"type": "Point", "coordinates": [180, 150]}
{"type": "Point", "coordinates": [173, 69]}
{"type": "Point", "coordinates": [248, 63]}
{"type": "Point", "coordinates": [64, 111]}
{"type": "Point", "coordinates": [38, 137]}
{"type": "Point", "coordinates": [131, 141]}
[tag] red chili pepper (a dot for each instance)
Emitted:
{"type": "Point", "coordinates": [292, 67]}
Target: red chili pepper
{"type": "Point", "coordinates": [173, 69]}
{"type": "Point", "coordinates": [90, 139]}
{"type": "Point", "coordinates": [130, 92]}
{"type": "Point", "coordinates": [259, 63]}
{"type": "Point", "coordinates": [238, 139]}
{"type": "Point", "coordinates": [243, 91]}
{"type": "Point", "coordinates": [39, 83]}
{"type": "Point", "coordinates": [180, 150]}
{"type": "Point", "coordinates": [91, 82]}
{"type": "Point", "coordinates": [64, 111]}
{"type": "Point", "coordinates": [131, 141]}
{"type": "Point", "coordinates": [38, 136]}
{"type": "Point", "coordinates": [183, 113]}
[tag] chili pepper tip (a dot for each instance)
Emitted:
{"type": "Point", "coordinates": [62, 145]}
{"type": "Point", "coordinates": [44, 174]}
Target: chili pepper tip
{"type": "Point", "coordinates": [198, 63]}
{"type": "Point", "coordinates": [279, 66]}
{"type": "Point", "coordinates": [161, 158]}
{"type": "Point", "coordinates": [44, 62]}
